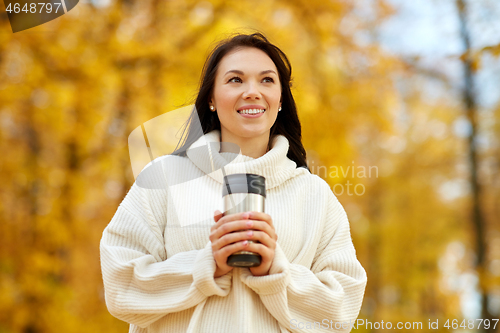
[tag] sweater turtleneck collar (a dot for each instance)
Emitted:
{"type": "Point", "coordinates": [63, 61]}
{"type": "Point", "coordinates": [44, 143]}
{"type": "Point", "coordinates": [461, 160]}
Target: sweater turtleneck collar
{"type": "Point", "coordinates": [274, 165]}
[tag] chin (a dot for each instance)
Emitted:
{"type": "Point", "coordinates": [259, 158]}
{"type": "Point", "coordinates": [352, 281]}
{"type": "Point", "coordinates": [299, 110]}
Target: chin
{"type": "Point", "coordinates": [248, 133]}
{"type": "Point", "coordinates": [251, 133]}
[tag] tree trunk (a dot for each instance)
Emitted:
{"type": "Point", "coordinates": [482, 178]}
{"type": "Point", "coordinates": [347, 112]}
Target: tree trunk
{"type": "Point", "coordinates": [477, 219]}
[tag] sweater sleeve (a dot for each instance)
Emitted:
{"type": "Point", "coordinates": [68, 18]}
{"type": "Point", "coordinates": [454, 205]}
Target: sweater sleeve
{"type": "Point", "coordinates": [141, 285]}
{"type": "Point", "coordinates": [330, 292]}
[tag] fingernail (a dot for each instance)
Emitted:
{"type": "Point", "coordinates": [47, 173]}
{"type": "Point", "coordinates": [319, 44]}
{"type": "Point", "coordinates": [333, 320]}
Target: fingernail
{"type": "Point", "coordinates": [245, 215]}
{"type": "Point", "coordinates": [245, 243]}
{"type": "Point", "coordinates": [249, 223]}
{"type": "Point", "coordinates": [250, 233]}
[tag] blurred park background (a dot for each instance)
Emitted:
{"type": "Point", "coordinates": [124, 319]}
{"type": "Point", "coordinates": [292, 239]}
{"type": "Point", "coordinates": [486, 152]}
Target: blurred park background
{"type": "Point", "coordinates": [408, 90]}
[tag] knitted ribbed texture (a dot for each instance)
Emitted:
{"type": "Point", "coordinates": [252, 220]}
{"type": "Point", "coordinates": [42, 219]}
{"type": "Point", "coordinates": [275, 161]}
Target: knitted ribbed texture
{"type": "Point", "coordinates": [157, 260]}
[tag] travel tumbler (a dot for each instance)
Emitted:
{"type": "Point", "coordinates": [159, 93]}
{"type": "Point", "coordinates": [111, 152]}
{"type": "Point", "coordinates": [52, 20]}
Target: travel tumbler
{"type": "Point", "coordinates": [243, 192]}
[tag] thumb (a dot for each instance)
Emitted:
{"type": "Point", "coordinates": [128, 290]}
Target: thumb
{"type": "Point", "coordinates": [217, 215]}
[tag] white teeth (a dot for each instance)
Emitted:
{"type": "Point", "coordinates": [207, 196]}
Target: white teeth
{"type": "Point", "coordinates": [252, 111]}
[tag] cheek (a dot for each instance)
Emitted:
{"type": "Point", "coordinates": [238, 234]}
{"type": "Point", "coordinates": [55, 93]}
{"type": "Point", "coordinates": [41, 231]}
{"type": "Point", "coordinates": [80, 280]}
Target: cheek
{"type": "Point", "coordinates": [225, 97]}
{"type": "Point", "coordinates": [274, 97]}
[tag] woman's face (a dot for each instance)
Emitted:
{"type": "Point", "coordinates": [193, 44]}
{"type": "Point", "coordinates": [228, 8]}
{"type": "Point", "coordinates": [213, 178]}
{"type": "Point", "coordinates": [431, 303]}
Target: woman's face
{"type": "Point", "coordinates": [247, 78]}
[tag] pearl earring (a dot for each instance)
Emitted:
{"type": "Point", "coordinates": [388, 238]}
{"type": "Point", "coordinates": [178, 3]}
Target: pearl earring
{"type": "Point", "coordinates": [279, 109]}
{"type": "Point", "coordinates": [211, 107]}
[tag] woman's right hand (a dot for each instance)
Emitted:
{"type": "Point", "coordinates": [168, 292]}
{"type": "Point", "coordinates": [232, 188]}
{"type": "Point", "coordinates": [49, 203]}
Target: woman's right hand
{"type": "Point", "coordinates": [225, 241]}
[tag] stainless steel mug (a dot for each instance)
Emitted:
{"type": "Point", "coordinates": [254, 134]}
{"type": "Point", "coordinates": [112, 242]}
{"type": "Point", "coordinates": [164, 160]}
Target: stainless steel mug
{"type": "Point", "coordinates": [243, 192]}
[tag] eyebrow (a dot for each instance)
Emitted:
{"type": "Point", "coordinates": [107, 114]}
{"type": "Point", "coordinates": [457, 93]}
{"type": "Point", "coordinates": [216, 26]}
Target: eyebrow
{"type": "Point", "coordinates": [241, 73]}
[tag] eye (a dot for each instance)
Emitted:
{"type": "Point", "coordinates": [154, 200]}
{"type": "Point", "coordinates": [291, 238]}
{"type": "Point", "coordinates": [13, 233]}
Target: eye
{"type": "Point", "coordinates": [269, 78]}
{"type": "Point", "coordinates": [234, 78]}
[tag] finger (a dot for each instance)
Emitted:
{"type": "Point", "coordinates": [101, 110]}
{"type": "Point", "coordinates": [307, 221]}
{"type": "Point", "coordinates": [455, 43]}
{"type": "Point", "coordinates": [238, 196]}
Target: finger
{"type": "Point", "coordinates": [218, 231]}
{"type": "Point", "coordinates": [227, 250]}
{"type": "Point", "coordinates": [231, 238]}
{"type": "Point", "coordinates": [232, 217]}
{"type": "Point", "coordinates": [262, 217]}
{"type": "Point", "coordinates": [263, 238]}
{"type": "Point", "coordinates": [221, 260]}
{"type": "Point", "coordinates": [231, 227]}
{"type": "Point", "coordinates": [257, 226]}
{"type": "Point", "coordinates": [218, 215]}
{"type": "Point", "coordinates": [266, 253]}
{"type": "Point", "coordinates": [262, 226]}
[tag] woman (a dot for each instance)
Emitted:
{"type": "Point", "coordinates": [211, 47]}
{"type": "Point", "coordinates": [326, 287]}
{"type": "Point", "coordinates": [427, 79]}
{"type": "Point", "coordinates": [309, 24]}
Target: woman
{"type": "Point", "coordinates": [165, 270]}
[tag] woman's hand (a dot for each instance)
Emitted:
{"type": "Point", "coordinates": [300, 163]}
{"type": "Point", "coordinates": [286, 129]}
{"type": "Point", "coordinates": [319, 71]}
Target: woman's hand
{"type": "Point", "coordinates": [231, 234]}
{"type": "Point", "coordinates": [225, 241]}
{"type": "Point", "coordinates": [267, 236]}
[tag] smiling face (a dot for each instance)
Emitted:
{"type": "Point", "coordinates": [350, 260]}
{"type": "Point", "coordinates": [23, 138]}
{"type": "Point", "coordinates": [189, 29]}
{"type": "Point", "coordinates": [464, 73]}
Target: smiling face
{"type": "Point", "coordinates": [247, 78]}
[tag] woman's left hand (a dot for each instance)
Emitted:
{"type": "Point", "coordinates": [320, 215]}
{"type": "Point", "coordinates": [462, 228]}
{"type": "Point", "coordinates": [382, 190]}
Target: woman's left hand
{"type": "Point", "coordinates": [263, 231]}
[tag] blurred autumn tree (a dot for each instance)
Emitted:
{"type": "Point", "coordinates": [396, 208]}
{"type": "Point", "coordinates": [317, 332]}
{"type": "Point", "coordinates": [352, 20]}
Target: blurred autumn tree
{"type": "Point", "coordinates": [71, 92]}
{"type": "Point", "coordinates": [477, 216]}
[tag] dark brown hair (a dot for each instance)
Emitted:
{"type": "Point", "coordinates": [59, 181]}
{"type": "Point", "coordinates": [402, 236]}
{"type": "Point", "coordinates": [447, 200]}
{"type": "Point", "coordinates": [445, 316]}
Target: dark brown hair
{"type": "Point", "coordinates": [287, 122]}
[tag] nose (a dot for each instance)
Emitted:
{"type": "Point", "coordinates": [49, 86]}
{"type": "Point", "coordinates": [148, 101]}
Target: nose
{"type": "Point", "coordinates": [252, 91]}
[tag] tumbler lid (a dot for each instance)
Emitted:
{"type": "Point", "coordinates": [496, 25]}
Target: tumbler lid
{"type": "Point", "coordinates": [244, 183]}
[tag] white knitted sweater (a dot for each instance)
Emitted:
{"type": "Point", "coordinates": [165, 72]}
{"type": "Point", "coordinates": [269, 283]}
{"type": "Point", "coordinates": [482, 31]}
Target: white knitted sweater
{"type": "Point", "coordinates": [158, 266]}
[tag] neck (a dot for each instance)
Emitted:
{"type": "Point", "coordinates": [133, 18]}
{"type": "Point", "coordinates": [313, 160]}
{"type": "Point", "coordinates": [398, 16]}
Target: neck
{"type": "Point", "coordinates": [254, 147]}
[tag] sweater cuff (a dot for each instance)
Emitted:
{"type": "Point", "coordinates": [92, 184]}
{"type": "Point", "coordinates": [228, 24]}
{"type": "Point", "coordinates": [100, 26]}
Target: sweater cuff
{"type": "Point", "coordinates": [203, 274]}
{"type": "Point", "coordinates": [276, 281]}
